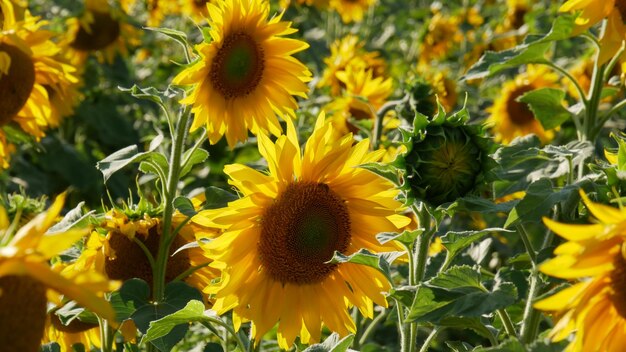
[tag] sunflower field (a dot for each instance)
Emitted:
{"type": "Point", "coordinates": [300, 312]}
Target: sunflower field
{"type": "Point", "coordinates": [312, 175]}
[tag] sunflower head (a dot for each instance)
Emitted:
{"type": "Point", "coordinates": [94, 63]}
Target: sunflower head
{"type": "Point", "coordinates": [443, 36]}
{"type": "Point", "coordinates": [278, 238]}
{"type": "Point", "coordinates": [593, 257]}
{"type": "Point", "coordinates": [511, 118]}
{"type": "Point", "coordinates": [246, 75]}
{"type": "Point", "coordinates": [25, 277]}
{"type": "Point", "coordinates": [446, 158]}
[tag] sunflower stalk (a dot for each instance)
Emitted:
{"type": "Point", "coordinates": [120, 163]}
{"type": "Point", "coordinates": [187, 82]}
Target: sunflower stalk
{"type": "Point", "coordinates": [172, 181]}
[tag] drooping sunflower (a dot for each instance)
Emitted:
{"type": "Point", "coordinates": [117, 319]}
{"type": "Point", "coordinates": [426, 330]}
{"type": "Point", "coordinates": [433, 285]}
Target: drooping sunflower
{"type": "Point", "coordinates": [349, 51]}
{"type": "Point", "coordinates": [100, 31]}
{"type": "Point", "coordinates": [246, 75]}
{"type": "Point", "coordinates": [363, 96]}
{"type": "Point", "coordinates": [277, 238]}
{"type": "Point", "coordinates": [591, 13]}
{"type": "Point", "coordinates": [112, 250]}
{"type": "Point", "coordinates": [442, 37]}
{"type": "Point", "coordinates": [29, 72]}
{"type": "Point", "coordinates": [594, 307]}
{"type": "Point", "coordinates": [351, 10]}
{"type": "Point", "coordinates": [25, 277]}
{"type": "Point", "coordinates": [510, 118]}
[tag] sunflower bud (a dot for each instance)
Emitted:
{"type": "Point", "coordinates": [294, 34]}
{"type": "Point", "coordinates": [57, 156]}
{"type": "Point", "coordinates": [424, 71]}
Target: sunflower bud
{"type": "Point", "coordinates": [446, 158]}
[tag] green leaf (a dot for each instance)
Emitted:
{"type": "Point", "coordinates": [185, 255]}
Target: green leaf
{"type": "Point", "coordinates": [123, 157]}
{"type": "Point", "coordinates": [510, 345]}
{"type": "Point", "coordinates": [135, 292]}
{"type": "Point", "coordinates": [386, 171]}
{"type": "Point", "coordinates": [150, 93]}
{"type": "Point", "coordinates": [468, 323]}
{"type": "Point", "coordinates": [332, 344]}
{"type": "Point", "coordinates": [177, 295]}
{"type": "Point", "coordinates": [73, 218]}
{"type": "Point", "coordinates": [455, 242]}
{"type": "Point", "coordinates": [481, 205]}
{"type": "Point", "coordinates": [459, 346]}
{"type": "Point", "coordinates": [380, 261]}
{"type": "Point", "coordinates": [180, 37]}
{"type": "Point", "coordinates": [185, 206]}
{"type": "Point", "coordinates": [533, 50]}
{"type": "Point", "coordinates": [406, 237]}
{"type": "Point", "coordinates": [539, 200]}
{"type": "Point", "coordinates": [404, 294]}
{"type": "Point", "coordinates": [217, 198]}
{"type": "Point", "coordinates": [459, 292]}
{"type": "Point", "coordinates": [547, 106]}
{"type": "Point", "coordinates": [192, 312]}
{"type": "Point", "coordinates": [197, 156]}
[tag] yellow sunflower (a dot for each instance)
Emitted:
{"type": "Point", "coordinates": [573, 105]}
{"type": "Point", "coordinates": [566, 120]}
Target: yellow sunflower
{"type": "Point", "coordinates": [363, 96]}
{"type": "Point", "coordinates": [119, 257]}
{"type": "Point", "coordinates": [593, 308]}
{"type": "Point", "coordinates": [510, 118]}
{"type": "Point", "coordinates": [351, 10]}
{"type": "Point", "coordinates": [442, 37]}
{"type": "Point", "coordinates": [100, 31]}
{"type": "Point", "coordinates": [442, 85]}
{"type": "Point", "coordinates": [246, 75]}
{"type": "Point", "coordinates": [196, 9]}
{"type": "Point", "coordinates": [29, 71]}
{"type": "Point", "coordinates": [278, 237]}
{"type": "Point", "coordinates": [349, 51]}
{"type": "Point", "coordinates": [156, 10]}
{"type": "Point", "coordinates": [25, 277]}
{"type": "Point", "coordinates": [516, 11]}
{"type": "Point", "coordinates": [592, 12]}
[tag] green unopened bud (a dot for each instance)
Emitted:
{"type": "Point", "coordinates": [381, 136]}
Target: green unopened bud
{"type": "Point", "coordinates": [446, 158]}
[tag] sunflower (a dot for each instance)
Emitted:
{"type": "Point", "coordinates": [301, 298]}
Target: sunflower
{"type": "Point", "coordinates": [117, 255]}
{"type": "Point", "coordinates": [28, 72]}
{"type": "Point", "coordinates": [25, 277]}
{"type": "Point", "coordinates": [277, 238]}
{"type": "Point", "coordinates": [516, 11]}
{"type": "Point", "coordinates": [592, 12]}
{"type": "Point", "coordinates": [444, 34]}
{"type": "Point", "coordinates": [364, 95]}
{"type": "Point", "coordinates": [246, 75]}
{"type": "Point", "coordinates": [351, 10]}
{"type": "Point", "coordinates": [196, 9]}
{"type": "Point", "coordinates": [593, 308]}
{"type": "Point", "coordinates": [101, 31]}
{"type": "Point", "coordinates": [442, 85]}
{"type": "Point", "coordinates": [510, 118]}
{"type": "Point", "coordinates": [349, 51]}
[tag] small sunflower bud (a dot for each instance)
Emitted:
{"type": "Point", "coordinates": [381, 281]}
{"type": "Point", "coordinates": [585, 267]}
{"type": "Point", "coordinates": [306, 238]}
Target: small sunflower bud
{"type": "Point", "coordinates": [446, 158]}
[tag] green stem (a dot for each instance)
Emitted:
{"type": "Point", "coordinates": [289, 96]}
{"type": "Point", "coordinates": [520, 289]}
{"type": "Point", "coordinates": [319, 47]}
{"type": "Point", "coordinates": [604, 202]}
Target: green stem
{"type": "Point", "coordinates": [594, 103]}
{"type": "Point", "coordinates": [617, 107]}
{"type": "Point", "coordinates": [532, 317]}
{"type": "Point", "coordinates": [378, 123]}
{"type": "Point", "coordinates": [106, 336]}
{"type": "Point", "coordinates": [506, 322]}
{"type": "Point", "coordinates": [574, 81]}
{"type": "Point", "coordinates": [527, 244]}
{"type": "Point", "coordinates": [228, 328]}
{"type": "Point", "coordinates": [612, 63]}
{"type": "Point", "coordinates": [370, 328]}
{"type": "Point", "coordinates": [172, 181]}
{"type": "Point", "coordinates": [430, 338]}
{"type": "Point", "coordinates": [404, 333]}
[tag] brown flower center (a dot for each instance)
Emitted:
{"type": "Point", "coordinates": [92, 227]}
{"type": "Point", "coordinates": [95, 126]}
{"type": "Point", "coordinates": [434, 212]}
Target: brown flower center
{"type": "Point", "coordinates": [237, 67]}
{"type": "Point", "coordinates": [518, 112]}
{"type": "Point", "coordinates": [131, 262]}
{"type": "Point", "coordinates": [104, 30]}
{"type": "Point", "coordinates": [621, 7]}
{"type": "Point", "coordinates": [307, 223]}
{"type": "Point", "coordinates": [200, 3]}
{"type": "Point", "coordinates": [75, 326]}
{"type": "Point", "coordinates": [618, 284]}
{"type": "Point", "coordinates": [15, 88]}
{"type": "Point", "coordinates": [22, 313]}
